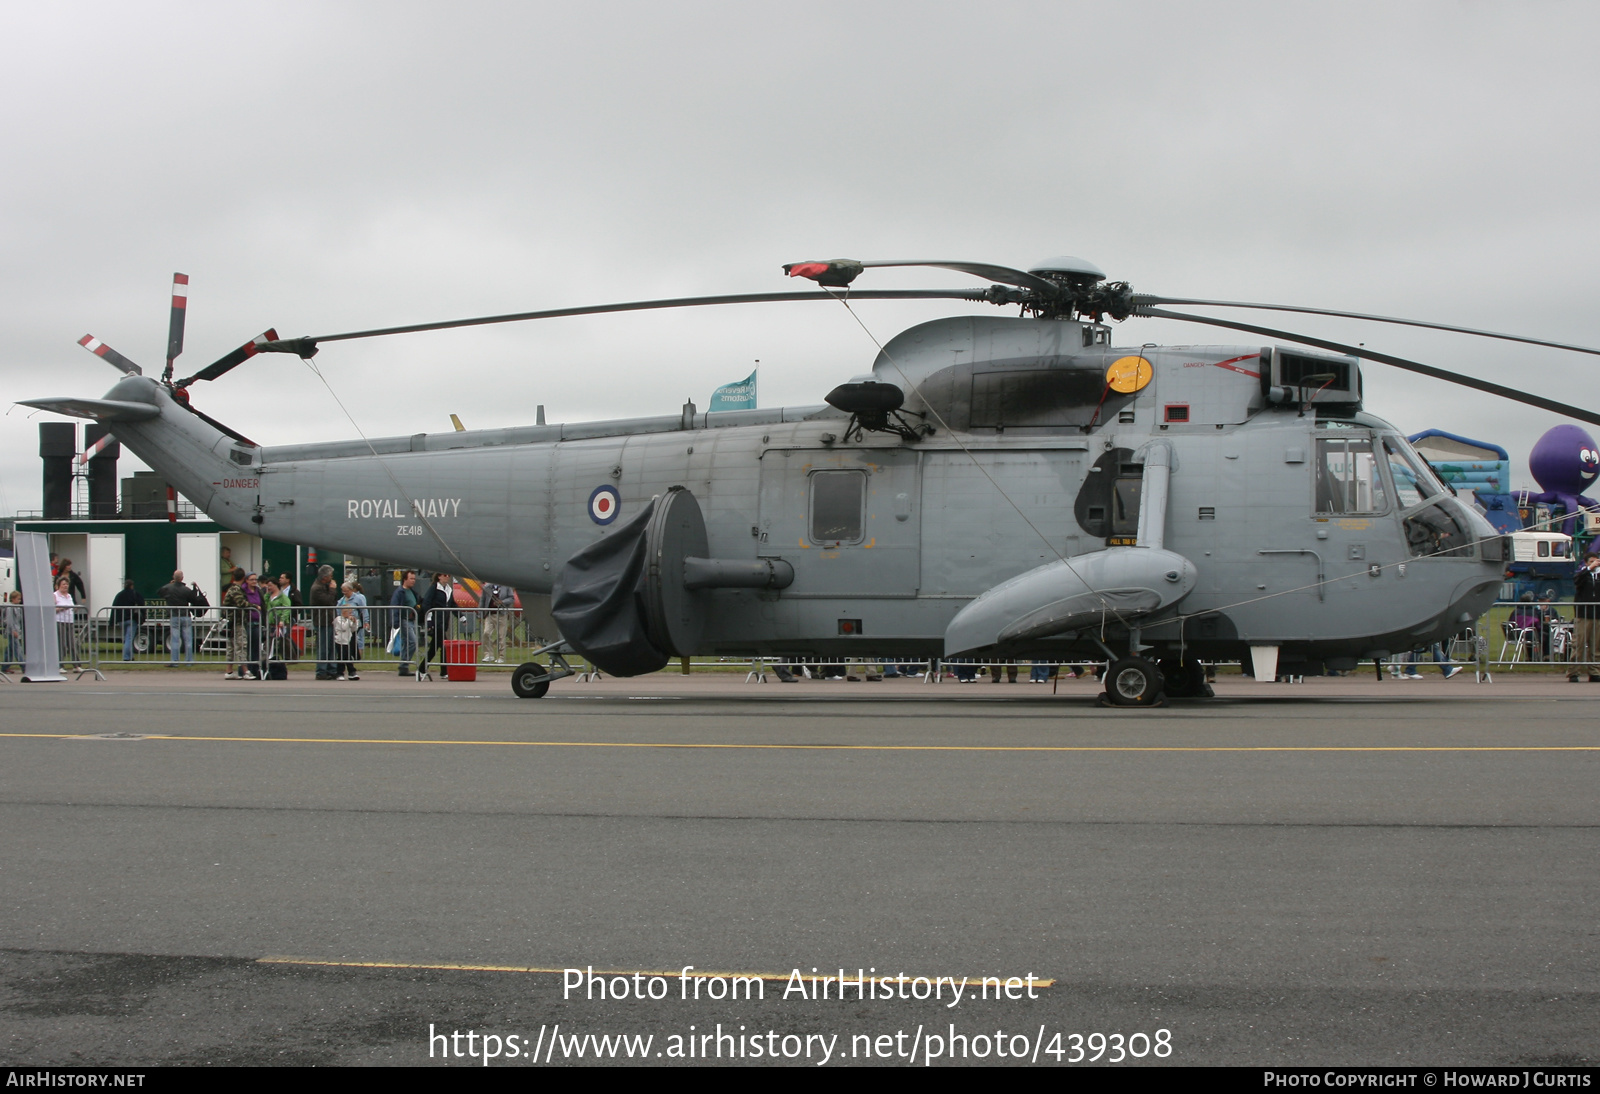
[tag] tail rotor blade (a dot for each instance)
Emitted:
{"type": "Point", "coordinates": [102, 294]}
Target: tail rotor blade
{"type": "Point", "coordinates": [109, 355]}
{"type": "Point", "coordinates": [180, 306]}
{"type": "Point", "coordinates": [230, 360]}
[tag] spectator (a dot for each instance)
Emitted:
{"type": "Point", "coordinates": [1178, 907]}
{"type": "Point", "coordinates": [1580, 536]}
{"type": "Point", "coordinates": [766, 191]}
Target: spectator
{"type": "Point", "coordinates": [226, 567]}
{"type": "Point", "coordinates": [66, 633]}
{"type": "Point", "coordinates": [11, 648]}
{"type": "Point", "coordinates": [75, 582]}
{"type": "Point", "coordinates": [436, 619]}
{"type": "Point", "coordinates": [1550, 623]}
{"type": "Point", "coordinates": [232, 622]}
{"type": "Point", "coordinates": [345, 626]}
{"type": "Point", "coordinates": [324, 599]}
{"type": "Point", "coordinates": [358, 598]}
{"type": "Point", "coordinates": [248, 609]}
{"type": "Point", "coordinates": [286, 587]}
{"type": "Point", "coordinates": [496, 615]}
{"type": "Point", "coordinates": [180, 618]}
{"type": "Point", "coordinates": [404, 618]}
{"type": "Point", "coordinates": [280, 617]}
{"type": "Point", "coordinates": [125, 615]}
{"type": "Point", "coordinates": [347, 632]}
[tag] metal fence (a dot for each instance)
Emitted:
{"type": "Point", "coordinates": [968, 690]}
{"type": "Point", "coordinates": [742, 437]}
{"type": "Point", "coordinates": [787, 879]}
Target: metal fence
{"type": "Point", "coordinates": [398, 640]}
{"type": "Point", "coordinates": [76, 644]}
{"type": "Point", "coordinates": [337, 640]}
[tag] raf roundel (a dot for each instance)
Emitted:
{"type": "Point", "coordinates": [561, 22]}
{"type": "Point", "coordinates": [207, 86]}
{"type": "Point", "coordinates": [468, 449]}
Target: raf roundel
{"type": "Point", "coordinates": [603, 504]}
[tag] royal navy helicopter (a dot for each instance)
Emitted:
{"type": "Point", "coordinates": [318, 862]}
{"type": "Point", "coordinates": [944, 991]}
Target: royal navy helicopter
{"type": "Point", "coordinates": [997, 486]}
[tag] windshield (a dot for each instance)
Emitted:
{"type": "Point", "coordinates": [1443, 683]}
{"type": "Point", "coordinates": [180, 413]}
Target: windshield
{"type": "Point", "coordinates": [1437, 532]}
{"type": "Point", "coordinates": [1414, 480]}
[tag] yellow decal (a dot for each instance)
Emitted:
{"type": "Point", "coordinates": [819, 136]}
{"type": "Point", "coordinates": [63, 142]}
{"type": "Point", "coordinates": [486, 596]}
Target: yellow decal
{"type": "Point", "coordinates": [1128, 374]}
{"type": "Point", "coordinates": [1355, 524]}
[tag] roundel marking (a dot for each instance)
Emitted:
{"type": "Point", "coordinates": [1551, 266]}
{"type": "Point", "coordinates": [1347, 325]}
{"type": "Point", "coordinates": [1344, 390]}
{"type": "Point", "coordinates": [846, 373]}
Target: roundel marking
{"type": "Point", "coordinates": [1128, 374]}
{"type": "Point", "coordinates": [604, 504]}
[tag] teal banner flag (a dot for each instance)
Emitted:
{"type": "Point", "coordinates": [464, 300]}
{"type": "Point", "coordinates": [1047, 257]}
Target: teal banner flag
{"type": "Point", "coordinates": [739, 396]}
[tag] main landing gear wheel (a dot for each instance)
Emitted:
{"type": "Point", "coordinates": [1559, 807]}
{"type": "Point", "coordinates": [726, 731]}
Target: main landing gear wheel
{"type": "Point", "coordinates": [1185, 679]}
{"type": "Point", "coordinates": [1134, 682]}
{"type": "Point", "coordinates": [528, 681]}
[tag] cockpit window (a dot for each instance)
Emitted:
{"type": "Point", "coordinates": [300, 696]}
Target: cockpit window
{"type": "Point", "coordinates": [1414, 480]}
{"type": "Point", "coordinates": [1347, 476]}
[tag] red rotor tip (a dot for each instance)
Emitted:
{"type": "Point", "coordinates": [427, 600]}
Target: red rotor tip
{"type": "Point", "coordinates": [808, 269]}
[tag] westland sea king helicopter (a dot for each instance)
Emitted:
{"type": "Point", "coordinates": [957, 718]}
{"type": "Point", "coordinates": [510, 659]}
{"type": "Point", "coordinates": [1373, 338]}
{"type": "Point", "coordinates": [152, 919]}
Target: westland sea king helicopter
{"type": "Point", "coordinates": [996, 487]}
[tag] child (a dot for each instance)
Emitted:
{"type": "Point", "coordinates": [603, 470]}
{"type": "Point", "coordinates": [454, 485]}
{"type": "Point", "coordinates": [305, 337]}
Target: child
{"type": "Point", "coordinates": [344, 643]}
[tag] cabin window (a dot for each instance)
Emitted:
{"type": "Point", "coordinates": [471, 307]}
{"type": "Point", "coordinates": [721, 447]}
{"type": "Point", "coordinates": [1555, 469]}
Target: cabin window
{"type": "Point", "coordinates": [1544, 549]}
{"type": "Point", "coordinates": [1347, 476]}
{"type": "Point", "coordinates": [838, 499]}
{"type": "Point", "coordinates": [1559, 549]}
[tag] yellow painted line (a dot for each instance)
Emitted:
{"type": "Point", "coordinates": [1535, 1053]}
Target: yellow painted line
{"type": "Point", "coordinates": [842, 748]}
{"type": "Point", "coordinates": [538, 970]}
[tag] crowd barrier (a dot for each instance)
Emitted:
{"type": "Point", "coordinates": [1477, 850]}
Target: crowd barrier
{"type": "Point", "coordinates": [459, 642]}
{"type": "Point", "coordinates": [373, 638]}
{"type": "Point", "coordinates": [75, 641]}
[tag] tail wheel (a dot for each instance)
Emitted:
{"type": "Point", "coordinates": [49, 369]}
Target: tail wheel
{"type": "Point", "coordinates": [1133, 682]}
{"type": "Point", "coordinates": [1184, 679]}
{"type": "Point", "coordinates": [528, 681]}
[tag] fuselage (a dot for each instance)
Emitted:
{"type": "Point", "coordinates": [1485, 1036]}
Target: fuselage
{"type": "Point", "coordinates": [1312, 531]}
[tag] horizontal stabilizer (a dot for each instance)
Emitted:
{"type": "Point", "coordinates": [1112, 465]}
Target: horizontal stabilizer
{"type": "Point", "coordinates": [99, 410]}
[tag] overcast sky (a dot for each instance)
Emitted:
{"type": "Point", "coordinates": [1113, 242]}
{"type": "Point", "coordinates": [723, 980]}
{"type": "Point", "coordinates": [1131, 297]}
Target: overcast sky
{"type": "Point", "coordinates": [327, 167]}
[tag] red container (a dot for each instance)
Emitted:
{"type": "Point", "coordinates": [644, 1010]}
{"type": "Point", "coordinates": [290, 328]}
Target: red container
{"type": "Point", "coordinates": [460, 660]}
{"type": "Point", "coordinates": [297, 639]}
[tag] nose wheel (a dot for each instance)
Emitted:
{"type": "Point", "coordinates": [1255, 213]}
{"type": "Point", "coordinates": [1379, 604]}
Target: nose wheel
{"type": "Point", "coordinates": [1134, 682]}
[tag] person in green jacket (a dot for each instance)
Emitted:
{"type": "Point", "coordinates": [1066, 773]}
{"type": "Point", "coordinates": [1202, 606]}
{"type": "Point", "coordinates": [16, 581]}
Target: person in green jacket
{"type": "Point", "coordinates": [280, 612]}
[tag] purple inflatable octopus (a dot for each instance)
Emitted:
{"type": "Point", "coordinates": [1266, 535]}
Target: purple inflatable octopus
{"type": "Point", "coordinates": [1565, 461]}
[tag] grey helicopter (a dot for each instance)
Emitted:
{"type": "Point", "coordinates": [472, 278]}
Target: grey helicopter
{"type": "Point", "coordinates": [996, 487]}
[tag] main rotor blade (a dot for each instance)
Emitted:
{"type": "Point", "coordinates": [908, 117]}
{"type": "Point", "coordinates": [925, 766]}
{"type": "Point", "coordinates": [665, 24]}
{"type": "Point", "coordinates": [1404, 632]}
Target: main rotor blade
{"type": "Point", "coordinates": [842, 271]}
{"type": "Point", "coordinates": [1383, 358]}
{"type": "Point", "coordinates": [229, 360]}
{"type": "Point", "coordinates": [1003, 275]}
{"type": "Point", "coordinates": [111, 356]}
{"type": "Point", "coordinates": [1141, 300]}
{"type": "Point", "coordinates": [306, 346]}
{"type": "Point", "coordinates": [180, 307]}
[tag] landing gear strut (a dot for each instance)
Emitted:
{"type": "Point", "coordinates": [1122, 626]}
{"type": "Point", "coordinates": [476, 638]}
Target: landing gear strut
{"type": "Point", "coordinates": [531, 680]}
